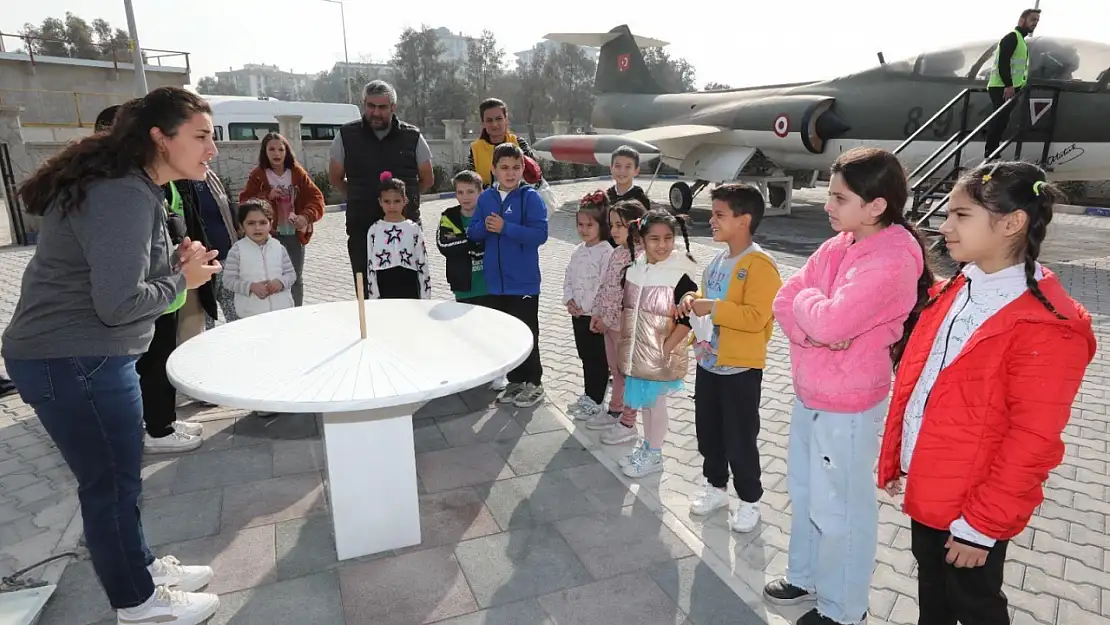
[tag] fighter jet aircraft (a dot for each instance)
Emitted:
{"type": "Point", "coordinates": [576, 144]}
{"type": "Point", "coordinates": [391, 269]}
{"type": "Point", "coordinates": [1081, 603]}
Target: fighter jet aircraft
{"type": "Point", "coordinates": [780, 136]}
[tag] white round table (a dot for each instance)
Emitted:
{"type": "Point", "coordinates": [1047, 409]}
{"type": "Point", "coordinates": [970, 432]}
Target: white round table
{"type": "Point", "coordinates": [312, 360]}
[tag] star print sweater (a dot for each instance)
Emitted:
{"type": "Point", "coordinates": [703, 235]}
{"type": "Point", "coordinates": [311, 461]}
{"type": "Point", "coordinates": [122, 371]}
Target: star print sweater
{"type": "Point", "coordinates": [394, 245]}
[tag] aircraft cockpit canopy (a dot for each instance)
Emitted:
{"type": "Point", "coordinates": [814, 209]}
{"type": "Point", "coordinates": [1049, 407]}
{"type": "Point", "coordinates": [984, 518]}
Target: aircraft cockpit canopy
{"type": "Point", "coordinates": [1055, 59]}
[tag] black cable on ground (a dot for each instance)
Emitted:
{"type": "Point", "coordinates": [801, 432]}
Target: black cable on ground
{"type": "Point", "coordinates": [12, 582]}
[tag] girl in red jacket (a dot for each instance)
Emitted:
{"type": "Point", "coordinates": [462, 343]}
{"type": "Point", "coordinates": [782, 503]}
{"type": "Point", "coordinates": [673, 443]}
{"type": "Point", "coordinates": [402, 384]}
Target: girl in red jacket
{"type": "Point", "coordinates": [983, 393]}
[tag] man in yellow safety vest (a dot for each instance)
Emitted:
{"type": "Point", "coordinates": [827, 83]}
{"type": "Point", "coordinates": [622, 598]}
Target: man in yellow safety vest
{"type": "Point", "coordinates": [1009, 73]}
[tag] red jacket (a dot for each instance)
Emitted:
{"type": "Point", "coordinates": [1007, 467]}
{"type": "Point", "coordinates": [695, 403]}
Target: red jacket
{"type": "Point", "coordinates": [994, 418]}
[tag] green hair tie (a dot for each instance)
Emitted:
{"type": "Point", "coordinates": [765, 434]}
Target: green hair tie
{"type": "Point", "coordinates": [1037, 186]}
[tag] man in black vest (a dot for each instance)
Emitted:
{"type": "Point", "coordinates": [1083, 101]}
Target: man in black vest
{"type": "Point", "coordinates": [365, 148]}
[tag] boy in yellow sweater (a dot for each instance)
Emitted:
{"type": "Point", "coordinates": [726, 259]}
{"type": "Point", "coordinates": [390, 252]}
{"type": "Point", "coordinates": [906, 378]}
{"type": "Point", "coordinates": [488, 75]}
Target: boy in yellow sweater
{"type": "Point", "coordinates": [737, 290]}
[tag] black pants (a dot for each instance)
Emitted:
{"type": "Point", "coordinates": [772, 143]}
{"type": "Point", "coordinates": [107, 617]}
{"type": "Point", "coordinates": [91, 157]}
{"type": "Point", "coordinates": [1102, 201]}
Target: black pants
{"type": "Point", "coordinates": [591, 351]}
{"type": "Point", "coordinates": [356, 251]}
{"type": "Point", "coordinates": [397, 283]}
{"type": "Point", "coordinates": [485, 301]}
{"type": "Point", "coordinates": [947, 594]}
{"type": "Point", "coordinates": [527, 309]}
{"type": "Point", "coordinates": [159, 395]}
{"type": "Point", "coordinates": [998, 125]}
{"type": "Point", "coordinates": [726, 417]}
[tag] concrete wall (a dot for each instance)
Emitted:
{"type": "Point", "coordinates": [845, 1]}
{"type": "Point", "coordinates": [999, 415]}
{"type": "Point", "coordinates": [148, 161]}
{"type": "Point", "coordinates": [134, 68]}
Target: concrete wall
{"type": "Point", "coordinates": [62, 97]}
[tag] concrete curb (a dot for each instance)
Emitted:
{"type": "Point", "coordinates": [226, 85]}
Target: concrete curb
{"type": "Point", "coordinates": [431, 197]}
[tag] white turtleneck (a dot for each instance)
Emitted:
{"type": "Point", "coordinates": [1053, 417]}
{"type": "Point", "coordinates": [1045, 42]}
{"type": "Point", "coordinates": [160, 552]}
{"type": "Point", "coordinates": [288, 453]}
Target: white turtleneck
{"type": "Point", "coordinates": [979, 299]}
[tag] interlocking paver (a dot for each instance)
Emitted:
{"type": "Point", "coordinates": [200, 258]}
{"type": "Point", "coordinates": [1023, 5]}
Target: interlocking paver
{"type": "Point", "coordinates": [1059, 567]}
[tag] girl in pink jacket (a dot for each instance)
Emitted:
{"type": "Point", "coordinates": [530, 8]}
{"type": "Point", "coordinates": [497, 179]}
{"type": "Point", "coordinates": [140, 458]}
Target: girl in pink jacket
{"type": "Point", "coordinates": [847, 314]}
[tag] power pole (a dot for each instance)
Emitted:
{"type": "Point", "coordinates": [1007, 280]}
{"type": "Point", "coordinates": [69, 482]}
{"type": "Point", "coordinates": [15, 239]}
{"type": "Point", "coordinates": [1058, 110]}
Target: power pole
{"type": "Point", "coordinates": [136, 51]}
{"type": "Point", "coordinates": [346, 59]}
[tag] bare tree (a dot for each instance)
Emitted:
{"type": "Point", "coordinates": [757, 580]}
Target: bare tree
{"type": "Point", "coordinates": [484, 65]}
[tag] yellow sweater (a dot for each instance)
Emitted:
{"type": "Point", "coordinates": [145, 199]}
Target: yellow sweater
{"type": "Point", "coordinates": [744, 315]}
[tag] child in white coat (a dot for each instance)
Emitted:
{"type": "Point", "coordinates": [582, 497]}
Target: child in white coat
{"type": "Point", "coordinates": [258, 270]}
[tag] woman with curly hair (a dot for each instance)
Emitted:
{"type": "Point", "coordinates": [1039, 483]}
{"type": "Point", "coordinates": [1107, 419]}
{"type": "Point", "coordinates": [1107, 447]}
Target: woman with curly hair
{"type": "Point", "coordinates": [103, 271]}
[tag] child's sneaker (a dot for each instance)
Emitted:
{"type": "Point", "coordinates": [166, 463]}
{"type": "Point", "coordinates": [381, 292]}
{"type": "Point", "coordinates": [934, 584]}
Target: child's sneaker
{"type": "Point", "coordinates": [168, 571]}
{"type": "Point", "coordinates": [649, 462]}
{"type": "Point", "coordinates": [529, 395]}
{"type": "Point", "coordinates": [601, 421]}
{"type": "Point", "coordinates": [577, 404]}
{"type": "Point", "coordinates": [708, 500]}
{"type": "Point", "coordinates": [634, 457]}
{"type": "Point", "coordinates": [618, 434]}
{"type": "Point", "coordinates": [499, 384]}
{"type": "Point", "coordinates": [171, 607]}
{"type": "Point", "coordinates": [782, 592]}
{"type": "Point", "coordinates": [745, 518]}
{"type": "Point", "coordinates": [511, 390]}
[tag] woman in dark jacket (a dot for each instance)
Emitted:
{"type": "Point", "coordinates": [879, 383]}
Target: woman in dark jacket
{"type": "Point", "coordinates": [103, 271]}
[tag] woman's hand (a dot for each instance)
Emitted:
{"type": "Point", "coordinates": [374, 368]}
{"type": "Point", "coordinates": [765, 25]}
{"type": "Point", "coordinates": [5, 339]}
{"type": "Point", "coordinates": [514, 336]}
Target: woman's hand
{"type": "Point", "coordinates": [274, 194]}
{"type": "Point", "coordinates": [893, 487]}
{"type": "Point", "coordinates": [300, 222]}
{"type": "Point", "coordinates": [189, 248]}
{"type": "Point", "coordinates": [200, 268]}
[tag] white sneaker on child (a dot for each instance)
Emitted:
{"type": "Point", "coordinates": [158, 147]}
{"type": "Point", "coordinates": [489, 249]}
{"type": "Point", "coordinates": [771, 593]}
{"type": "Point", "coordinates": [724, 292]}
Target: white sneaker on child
{"type": "Point", "coordinates": [708, 500]}
{"type": "Point", "coordinates": [171, 607]}
{"type": "Point", "coordinates": [745, 518]}
{"type": "Point", "coordinates": [647, 463]}
{"type": "Point", "coordinates": [168, 571]}
{"type": "Point", "coordinates": [602, 420]}
{"type": "Point", "coordinates": [192, 428]}
{"type": "Point", "coordinates": [633, 457]}
{"type": "Point", "coordinates": [618, 434]}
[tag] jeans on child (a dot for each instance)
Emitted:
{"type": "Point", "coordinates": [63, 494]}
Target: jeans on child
{"type": "Point", "coordinates": [830, 461]}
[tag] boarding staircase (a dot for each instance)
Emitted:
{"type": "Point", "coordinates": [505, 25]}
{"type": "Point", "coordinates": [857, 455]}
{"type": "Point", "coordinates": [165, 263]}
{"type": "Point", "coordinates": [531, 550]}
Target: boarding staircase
{"type": "Point", "coordinates": [932, 181]}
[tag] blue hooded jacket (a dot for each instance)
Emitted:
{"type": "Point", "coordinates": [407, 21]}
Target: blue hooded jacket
{"type": "Point", "coordinates": [512, 260]}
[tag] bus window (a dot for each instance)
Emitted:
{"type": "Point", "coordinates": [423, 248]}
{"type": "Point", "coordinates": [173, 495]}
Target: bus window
{"type": "Point", "coordinates": [319, 132]}
{"type": "Point", "coordinates": [249, 132]}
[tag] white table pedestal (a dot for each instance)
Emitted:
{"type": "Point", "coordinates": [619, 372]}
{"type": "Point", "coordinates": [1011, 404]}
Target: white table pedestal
{"type": "Point", "coordinates": [371, 464]}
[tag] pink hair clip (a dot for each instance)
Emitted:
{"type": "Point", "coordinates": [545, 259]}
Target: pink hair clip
{"type": "Point", "coordinates": [386, 175]}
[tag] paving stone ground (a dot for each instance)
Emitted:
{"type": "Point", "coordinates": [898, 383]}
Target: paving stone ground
{"type": "Point", "coordinates": [267, 534]}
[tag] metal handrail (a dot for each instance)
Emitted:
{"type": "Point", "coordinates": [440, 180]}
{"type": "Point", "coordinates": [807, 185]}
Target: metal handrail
{"type": "Point", "coordinates": [936, 153]}
{"type": "Point", "coordinates": [910, 139]}
{"type": "Point", "coordinates": [107, 49]}
{"type": "Point", "coordinates": [1006, 107]}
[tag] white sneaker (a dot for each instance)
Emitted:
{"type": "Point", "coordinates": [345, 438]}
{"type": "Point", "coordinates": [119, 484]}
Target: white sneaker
{"type": "Point", "coordinates": [587, 411]}
{"type": "Point", "coordinates": [192, 428]}
{"type": "Point", "coordinates": [175, 443]}
{"type": "Point", "coordinates": [171, 607]}
{"type": "Point", "coordinates": [647, 463]}
{"type": "Point", "coordinates": [633, 457]}
{"type": "Point", "coordinates": [618, 434]}
{"type": "Point", "coordinates": [745, 518]}
{"type": "Point", "coordinates": [578, 404]}
{"type": "Point", "coordinates": [708, 500]}
{"type": "Point", "coordinates": [168, 571]}
{"type": "Point", "coordinates": [499, 384]}
{"type": "Point", "coordinates": [601, 421]}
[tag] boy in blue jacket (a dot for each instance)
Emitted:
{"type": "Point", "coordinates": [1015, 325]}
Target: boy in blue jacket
{"type": "Point", "coordinates": [511, 219]}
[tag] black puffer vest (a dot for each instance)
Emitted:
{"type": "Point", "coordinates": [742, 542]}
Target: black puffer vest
{"type": "Point", "coordinates": [366, 157]}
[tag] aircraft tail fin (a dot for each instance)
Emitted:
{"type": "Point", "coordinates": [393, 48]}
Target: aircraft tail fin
{"type": "Point", "coordinates": [620, 67]}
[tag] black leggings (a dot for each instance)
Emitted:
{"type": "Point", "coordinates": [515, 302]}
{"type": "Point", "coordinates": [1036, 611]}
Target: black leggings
{"type": "Point", "coordinates": [591, 351]}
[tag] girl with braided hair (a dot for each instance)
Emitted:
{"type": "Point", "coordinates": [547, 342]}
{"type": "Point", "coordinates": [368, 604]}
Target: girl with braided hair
{"type": "Point", "coordinates": [653, 350]}
{"type": "Point", "coordinates": [983, 393]}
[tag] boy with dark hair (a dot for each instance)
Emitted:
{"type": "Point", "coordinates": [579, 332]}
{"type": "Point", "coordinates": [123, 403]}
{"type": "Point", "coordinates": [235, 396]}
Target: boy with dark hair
{"type": "Point", "coordinates": [464, 257]}
{"type": "Point", "coordinates": [511, 219]}
{"type": "Point", "coordinates": [733, 325]}
{"type": "Point", "coordinates": [624, 166]}
{"type": "Point", "coordinates": [495, 131]}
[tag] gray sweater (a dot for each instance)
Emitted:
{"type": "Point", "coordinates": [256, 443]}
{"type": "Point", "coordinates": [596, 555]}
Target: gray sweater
{"type": "Point", "coordinates": [100, 276]}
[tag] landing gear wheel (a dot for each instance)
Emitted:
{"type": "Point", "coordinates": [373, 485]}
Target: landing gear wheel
{"type": "Point", "coordinates": [681, 197]}
{"type": "Point", "coordinates": [776, 195]}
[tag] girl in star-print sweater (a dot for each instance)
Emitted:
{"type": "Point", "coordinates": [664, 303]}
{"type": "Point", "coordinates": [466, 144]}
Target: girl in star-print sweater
{"type": "Point", "coordinates": [398, 262]}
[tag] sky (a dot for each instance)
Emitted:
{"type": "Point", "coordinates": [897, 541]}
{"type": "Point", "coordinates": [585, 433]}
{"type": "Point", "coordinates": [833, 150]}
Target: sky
{"type": "Point", "coordinates": [765, 42]}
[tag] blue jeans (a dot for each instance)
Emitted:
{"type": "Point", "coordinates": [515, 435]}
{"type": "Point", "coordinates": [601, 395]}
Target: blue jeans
{"type": "Point", "coordinates": [92, 409]}
{"type": "Point", "coordinates": [830, 460]}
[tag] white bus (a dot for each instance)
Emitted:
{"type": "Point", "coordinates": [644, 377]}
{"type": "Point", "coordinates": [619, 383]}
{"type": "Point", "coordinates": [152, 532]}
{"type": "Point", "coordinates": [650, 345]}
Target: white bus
{"type": "Point", "coordinates": [238, 118]}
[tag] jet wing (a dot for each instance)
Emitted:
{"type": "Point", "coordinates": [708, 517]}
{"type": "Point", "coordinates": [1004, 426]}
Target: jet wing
{"type": "Point", "coordinates": [663, 133]}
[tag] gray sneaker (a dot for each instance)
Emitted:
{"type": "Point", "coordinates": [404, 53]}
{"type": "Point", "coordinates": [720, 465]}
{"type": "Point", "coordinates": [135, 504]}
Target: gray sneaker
{"type": "Point", "coordinates": [529, 395]}
{"type": "Point", "coordinates": [512, 389]}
